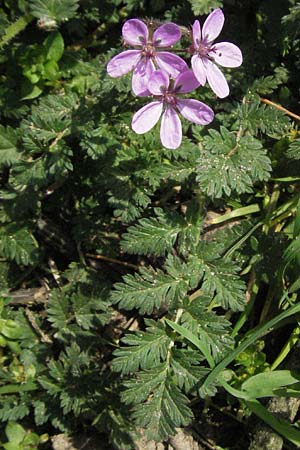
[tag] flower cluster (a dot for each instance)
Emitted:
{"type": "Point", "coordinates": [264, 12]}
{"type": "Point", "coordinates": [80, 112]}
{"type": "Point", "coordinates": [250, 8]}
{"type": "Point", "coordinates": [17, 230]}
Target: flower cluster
{"type": "Point", "coordinates": [160, 73]}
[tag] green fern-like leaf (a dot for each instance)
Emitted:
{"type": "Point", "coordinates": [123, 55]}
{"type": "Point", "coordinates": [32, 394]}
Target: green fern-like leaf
{"type": "Point", "coordinates": [266, 85]}
{"type": "Point", "coordinates": [176, 170]}
{"type": "Point", "coordinates": [58, 311]}
{"type": "Point", "coordinates": [155, 235]}
{"type": "Point", "coordinates": [13, 408]}
{"type": "Point", "coordinates": [150, 289]}
{"type": "Point", "coordinates": [200, 7]}
{"type": "Point", "coordinates": [70, 379]}
{"type": "Point", "coordinates": [222, 280]}
{"type": "Point", "coordinates": [83, 310]}
{"type": "Point", "coordinates": [58, 10]}
{"type": "Point", "coordinates": [158, 235]}
{"type": "Point", "coordinates": [226, 165]}
{"type": "Point", "coordinates": [212, 329]}
{"type": "Point", "coordinates": [293, 151]}
{"type": "Point", "coordinates": [128, 199]}
{"type": "Point", "coordinates": [9, 152]}
{"type": "Point", "coordinates": [144, 349]}
{"type": "Point", "coordinates": [17, 243]}
{"type": "Point", "coordinates": [160, 405]}
{"type": "Point", "coordinates": [255, 117]}
{"type": "Point", "coordinates": [186, 369]}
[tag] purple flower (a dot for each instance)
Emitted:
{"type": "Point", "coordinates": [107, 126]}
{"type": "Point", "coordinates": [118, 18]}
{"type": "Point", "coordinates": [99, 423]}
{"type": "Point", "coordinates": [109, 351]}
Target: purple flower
{"type": "Point", "coordinates": [167, 104]}
{"type": "Point", "coordinates": [206, 53]}
{"type": "Point", "coordinates": [147, 54]}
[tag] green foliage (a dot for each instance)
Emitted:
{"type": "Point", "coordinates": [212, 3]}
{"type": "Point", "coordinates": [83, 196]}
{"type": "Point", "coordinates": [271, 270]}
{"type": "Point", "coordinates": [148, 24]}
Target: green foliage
{"type": "Point", "coordinates": [137, 280]}
{"type": "Point", "coordinates": [56, 10]}
{"type": "Point", "coordinates": [9, 153]}
{"type": "Point", "coordinates": [149, 289]}
{"type": "Point", "coordinates": [204, 7]}
{"type": "Point", "coordinates": [19, 439]}
{"type": "Point", "coordinates": [229, 165]}
{"type": "Point", "coordinates": [17, 243]}
{"type": "Point", "coordinates": [212, 329]}
{"type": "Point", "coordinates": [166, 407]}
{"type": "Point", "coordinates": [254, 117]}
{"type": "Point", "coordinates": [81, 306]}
{"type": "Point", "coordinates": [293, 151]}
{"type": "Point", "coordinates": [221, 277]}
{"type": "Point", "coordinates": [70, 370]}
{"type": "Point", "coordinates": [158, 235]}
{"type": "Point", "coordinates": [39, 65]}
{"type": "Point", "coordinates": [143, 350]}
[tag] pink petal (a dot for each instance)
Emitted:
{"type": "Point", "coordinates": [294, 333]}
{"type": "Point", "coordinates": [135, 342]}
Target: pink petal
{"type": "Point", "coordinates": [141, 75]}
{"type": "Point", "coordinates": [216, 79]}
{"type": "Point", "coordinates": [196, 33]}
{"type": "Point", "coordinates": [171, 63]}
{"type": "Point", "coordinates": [167, 34]}
{"type": "Point", "coordinates": [186, 82]}
{"type": "Point", "coordinates": [170, 130]}
{"type": "Point", "coordinates": [213, 25]}
{"type": "Point", "coordinates": [199, 69]}
{"type": "Point", "coordinates": [145, 118]}
{"type": "Point", "coordinates": [123, 63]}
{"type": "Point", "coordinates": [158, 82]}
{"type": "Point", "coordinates": [135, 32]}
{"type": "Point", "coordinates": [195, 111]}
{"type": "Point", "coordinates": [226, 54]}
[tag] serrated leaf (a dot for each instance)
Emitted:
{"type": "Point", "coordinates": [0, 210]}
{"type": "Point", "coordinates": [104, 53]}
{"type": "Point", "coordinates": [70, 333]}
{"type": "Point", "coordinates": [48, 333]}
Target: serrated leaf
{"type": "Point", "coordinates": [13, 409]}
{"type": "Point", "coordinates": [17, 243]}
{"type": "Point", "coordinates": [9, 153]}
{"type": "Point", "coordinates": [200, 7]}
{"type": "Point", "coordinates": [150, 289]}
{"type": "Point", "coordinates": [293, 151]}
{"type": "Point", "coordinates": [211, 329]}
{"type": "Point", "coordinates": [160, 405]}
{"type": "Point", "coordinates": [221, 279]}
{"type": "Point", "coordinates": [254, 117]}
{"type": "Point", "coordinates": [144, 349]}
{"type": "Point", "coordinates": [186, 369]}
{"type": "Point", "coordinates": [58, 10]}
{"type": "Point", "coordinates": [226, 165]}
{"type": "Point", "coordinates": [166, 410]}
{"type": "Point", "coordinates": [157, 235]}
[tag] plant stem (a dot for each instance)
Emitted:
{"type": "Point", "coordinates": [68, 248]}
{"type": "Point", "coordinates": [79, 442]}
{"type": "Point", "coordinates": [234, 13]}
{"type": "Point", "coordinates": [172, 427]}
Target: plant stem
{"type": "Point", "coordinates": [112, 260]}
{"type": "Point", "coordinates": [244, 316]}
{"type": "Point", "coordinates": [271, 207]}
{"type": "Point", "coordinates": [281, 108]}
{"type": "Point", "coordinates": [293, 339]}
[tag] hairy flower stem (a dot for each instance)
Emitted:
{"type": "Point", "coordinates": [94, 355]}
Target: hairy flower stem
{"type": "Point", "coordinates": [15, 28]}
{"type": "Point", "coordinates": [172, 343]}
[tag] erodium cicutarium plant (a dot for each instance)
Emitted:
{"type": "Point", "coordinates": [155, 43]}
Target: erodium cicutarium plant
{"type": "Point", "coordinates": [158, 72]}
